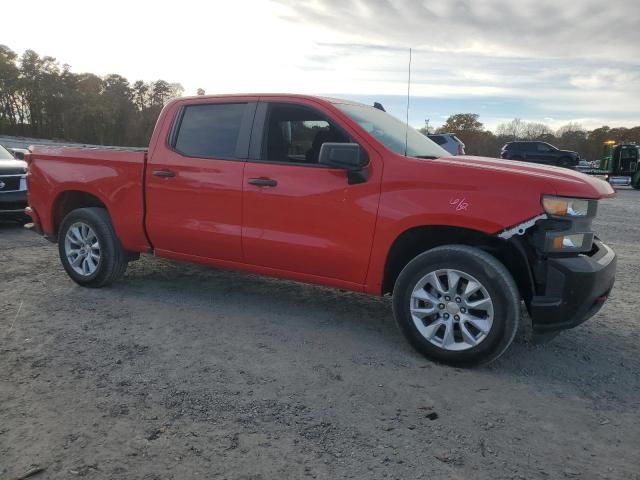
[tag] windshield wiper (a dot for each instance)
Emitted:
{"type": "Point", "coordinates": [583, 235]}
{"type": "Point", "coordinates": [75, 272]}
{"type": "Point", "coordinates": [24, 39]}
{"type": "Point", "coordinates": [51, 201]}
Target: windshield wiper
{"type": "Point", "coordinates": [430, 157]}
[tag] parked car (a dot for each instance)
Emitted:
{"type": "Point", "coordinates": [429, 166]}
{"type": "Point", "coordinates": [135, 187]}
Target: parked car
{"type": "Point", "coordinates": [343, 195]}
{"type": "Point", "coordinates": [13, 187]}
{"type": "Point", "coordinates": [583, 165]}
{"type": "Point", "coordinates": [540, 152]}
{"type": "Point", "coordinates": [449, 142]}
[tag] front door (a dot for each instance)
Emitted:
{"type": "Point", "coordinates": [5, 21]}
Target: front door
{"type": "Point", "coordinates": [194, 181]}
{"type": "Point", "coordinates": [298, 215]}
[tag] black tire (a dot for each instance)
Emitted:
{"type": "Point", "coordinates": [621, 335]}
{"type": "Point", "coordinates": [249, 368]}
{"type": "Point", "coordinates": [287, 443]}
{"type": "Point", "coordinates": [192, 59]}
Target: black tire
{"type": "Point", "coordinates": [495, 278]}
{"type": "Point", "coordinates": [113, 258]}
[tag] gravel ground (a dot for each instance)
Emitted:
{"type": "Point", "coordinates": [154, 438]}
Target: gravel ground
{"type": "Point", "coordinates": [180, 372]}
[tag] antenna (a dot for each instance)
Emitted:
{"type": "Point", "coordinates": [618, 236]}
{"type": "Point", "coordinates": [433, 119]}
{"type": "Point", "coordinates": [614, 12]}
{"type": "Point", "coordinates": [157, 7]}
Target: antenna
{"type": "Point", "coordinates": [406, 132]}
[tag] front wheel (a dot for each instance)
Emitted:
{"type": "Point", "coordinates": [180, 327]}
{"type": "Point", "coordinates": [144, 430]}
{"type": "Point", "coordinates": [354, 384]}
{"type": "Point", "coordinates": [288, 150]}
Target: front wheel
{"type": "Point", "coordinates": [457, 305]}
{"type": "Point", "coordinates": [565, 162]}
{"type": "Point", "coordinates": [89, 249]}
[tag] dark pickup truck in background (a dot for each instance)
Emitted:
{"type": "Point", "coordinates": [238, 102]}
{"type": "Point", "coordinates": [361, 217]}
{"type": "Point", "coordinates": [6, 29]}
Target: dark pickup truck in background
{"type": "Point", "coordinates": [540, 152]}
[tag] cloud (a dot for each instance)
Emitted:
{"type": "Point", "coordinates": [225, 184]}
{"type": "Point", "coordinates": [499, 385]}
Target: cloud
{"type": "Point", "coordinates": [540, 28]}
{"type": "Point", "coordinates": [578, 58]}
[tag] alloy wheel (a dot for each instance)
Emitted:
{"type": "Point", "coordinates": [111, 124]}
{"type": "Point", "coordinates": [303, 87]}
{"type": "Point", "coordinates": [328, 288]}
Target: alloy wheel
{"type": "Point", "coordinates": [451, 309]}
{"type": "Point", "coordinates": [82, 249]}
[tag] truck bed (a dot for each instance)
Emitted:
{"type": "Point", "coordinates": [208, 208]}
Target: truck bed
{"type": "Point", "coordinates": [114, 176]}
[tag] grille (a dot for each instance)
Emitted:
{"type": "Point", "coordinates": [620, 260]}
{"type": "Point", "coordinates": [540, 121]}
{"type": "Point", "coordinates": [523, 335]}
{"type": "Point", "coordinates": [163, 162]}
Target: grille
{"type": "Point", "coordinates": [10, 183]}
{"type": "Point", "coordinates": [8, 206]}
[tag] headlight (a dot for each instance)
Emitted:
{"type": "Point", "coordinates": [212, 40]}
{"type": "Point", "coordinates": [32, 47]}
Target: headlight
{"type": "Point", "coordinates": [568, 229]}
{"type": "Point", "coordinates": [569, 207]}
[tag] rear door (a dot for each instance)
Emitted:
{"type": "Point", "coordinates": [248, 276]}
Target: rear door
{"type": "Point", "coordinates": [299, 216]}
{"type": "Point", "coordinates": [194, 180]}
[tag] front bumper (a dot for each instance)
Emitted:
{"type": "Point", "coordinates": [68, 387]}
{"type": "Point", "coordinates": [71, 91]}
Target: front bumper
{"type": "Point", "coordinates": [575, 289]}
{"type": "Point", "coordinates": [12, 204]}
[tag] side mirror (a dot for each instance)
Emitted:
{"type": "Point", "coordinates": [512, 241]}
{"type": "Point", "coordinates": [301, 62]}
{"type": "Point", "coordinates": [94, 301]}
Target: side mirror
{"type": "Point", "coordinates": [348, 156]}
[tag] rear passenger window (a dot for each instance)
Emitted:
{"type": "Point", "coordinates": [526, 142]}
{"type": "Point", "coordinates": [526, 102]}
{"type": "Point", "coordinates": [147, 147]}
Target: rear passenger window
{"type": "Point", "coordinates": [210, 130]}
{"type": "Point", "coordinates": [440, 140]}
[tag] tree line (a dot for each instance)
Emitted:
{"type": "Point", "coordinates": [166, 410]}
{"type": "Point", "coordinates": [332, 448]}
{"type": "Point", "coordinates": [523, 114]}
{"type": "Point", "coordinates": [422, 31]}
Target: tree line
{"type": "Point", "coordinates": [43, 99]}
{"type": "Point", "coordinates": [479, 141]}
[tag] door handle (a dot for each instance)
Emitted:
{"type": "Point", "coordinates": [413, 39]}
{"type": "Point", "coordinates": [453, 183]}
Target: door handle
{"type": "Point", "coordinates": [263, 182]}
{"type": "Point", "coordinates": [164, 173]}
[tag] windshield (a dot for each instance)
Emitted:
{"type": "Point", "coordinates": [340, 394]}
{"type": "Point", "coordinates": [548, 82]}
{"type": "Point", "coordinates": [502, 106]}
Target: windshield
{"type": "Point", "coordinates": [391, 132]}
{"type": "Point", "coordinates": [4, 154]}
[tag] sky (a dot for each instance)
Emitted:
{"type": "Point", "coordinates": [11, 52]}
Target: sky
{"type": "Point", "coordinates": [547, 61]}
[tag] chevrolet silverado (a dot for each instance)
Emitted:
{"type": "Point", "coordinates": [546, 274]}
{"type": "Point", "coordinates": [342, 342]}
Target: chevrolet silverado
{"type": "Point", "coordinates": [341, 194]}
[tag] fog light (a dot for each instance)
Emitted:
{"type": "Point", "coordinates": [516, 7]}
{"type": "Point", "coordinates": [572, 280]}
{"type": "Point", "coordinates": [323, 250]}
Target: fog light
{"type": "Point", "coordinates": [575, 242]}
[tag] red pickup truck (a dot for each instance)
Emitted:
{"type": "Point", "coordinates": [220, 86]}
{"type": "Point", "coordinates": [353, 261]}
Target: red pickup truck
{"type": "Point", "coordinates": [340, 194]}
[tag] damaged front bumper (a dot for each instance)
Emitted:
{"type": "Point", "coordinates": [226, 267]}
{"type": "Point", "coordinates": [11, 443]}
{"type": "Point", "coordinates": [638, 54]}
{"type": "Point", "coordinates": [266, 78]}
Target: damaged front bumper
{"type": "Point", "coordinates": [563, 289]}
{"type": "Point", "coordinates": [573, 289]}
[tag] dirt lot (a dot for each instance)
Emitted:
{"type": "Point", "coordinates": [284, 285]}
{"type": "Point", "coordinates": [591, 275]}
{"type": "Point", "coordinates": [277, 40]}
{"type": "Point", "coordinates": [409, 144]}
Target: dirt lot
{"type": "Point", "coordinates": [185, 372]}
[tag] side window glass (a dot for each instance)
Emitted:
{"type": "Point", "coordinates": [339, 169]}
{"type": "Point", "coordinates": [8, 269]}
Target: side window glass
{"type": "Point", "coordinates": [210, 130]}
{"type": "Point", "coordinates": [295, 134]}
{"type": "Point", "coordinates": [439, 139]}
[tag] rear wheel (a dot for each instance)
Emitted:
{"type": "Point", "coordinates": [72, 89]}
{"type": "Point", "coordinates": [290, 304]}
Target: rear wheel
{"type": "Point", "coordinates": [89, 249]}
{"type": "Point", "coordinates": [457, 305]}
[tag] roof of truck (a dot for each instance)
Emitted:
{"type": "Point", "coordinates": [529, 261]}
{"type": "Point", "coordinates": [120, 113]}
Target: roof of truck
{"type": "Point", "coordinates": [274, 95]}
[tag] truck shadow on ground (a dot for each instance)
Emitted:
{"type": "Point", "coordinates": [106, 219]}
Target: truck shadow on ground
{"type": "Point", "coordinates": [590, 357]}
{"type": "Point", "coordinates": [10, 225]}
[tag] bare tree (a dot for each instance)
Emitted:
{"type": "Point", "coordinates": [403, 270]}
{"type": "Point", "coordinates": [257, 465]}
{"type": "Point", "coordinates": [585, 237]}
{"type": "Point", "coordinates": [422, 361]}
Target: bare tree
{"type": "Point", "coordinates": [513, 129]}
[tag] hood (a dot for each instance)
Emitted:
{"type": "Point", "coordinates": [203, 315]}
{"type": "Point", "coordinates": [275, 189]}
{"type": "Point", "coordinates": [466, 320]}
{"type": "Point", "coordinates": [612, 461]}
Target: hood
{"type": "Point", "coordinates": [12, 167]}
{"type": "Point", "coordinates": [560, 181]}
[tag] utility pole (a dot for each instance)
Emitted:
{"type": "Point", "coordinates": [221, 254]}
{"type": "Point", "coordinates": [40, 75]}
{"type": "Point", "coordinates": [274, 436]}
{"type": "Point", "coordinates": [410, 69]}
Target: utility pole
{"type": "Point", "coordinates": [426, 125]}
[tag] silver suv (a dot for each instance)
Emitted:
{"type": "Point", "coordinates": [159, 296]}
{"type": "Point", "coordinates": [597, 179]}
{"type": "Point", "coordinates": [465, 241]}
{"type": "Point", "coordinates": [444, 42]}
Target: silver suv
{"type": "Point", "coordinates": [449, 142]}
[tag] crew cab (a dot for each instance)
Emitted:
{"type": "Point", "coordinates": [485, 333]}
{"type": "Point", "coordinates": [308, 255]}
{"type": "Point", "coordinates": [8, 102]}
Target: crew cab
{"type": "Point", "coordinates": [340, 194]}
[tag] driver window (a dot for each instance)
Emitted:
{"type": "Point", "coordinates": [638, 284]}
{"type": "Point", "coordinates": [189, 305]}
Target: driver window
{"type": "Point", "coordinates": [295, 134]}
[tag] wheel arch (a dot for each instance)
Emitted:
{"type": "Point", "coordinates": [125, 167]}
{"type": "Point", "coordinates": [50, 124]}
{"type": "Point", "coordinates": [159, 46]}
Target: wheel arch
{"type": "Point", "coordinates": [69, 200]}
{"type": "Point", "coordinates": [416, 240]}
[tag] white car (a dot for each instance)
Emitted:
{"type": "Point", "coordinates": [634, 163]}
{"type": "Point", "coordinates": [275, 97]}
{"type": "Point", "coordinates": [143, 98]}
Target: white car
{"type": "Point", "coordinates": [449, 142]}
{"type": "Point", "coordinates": [18, 152]}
